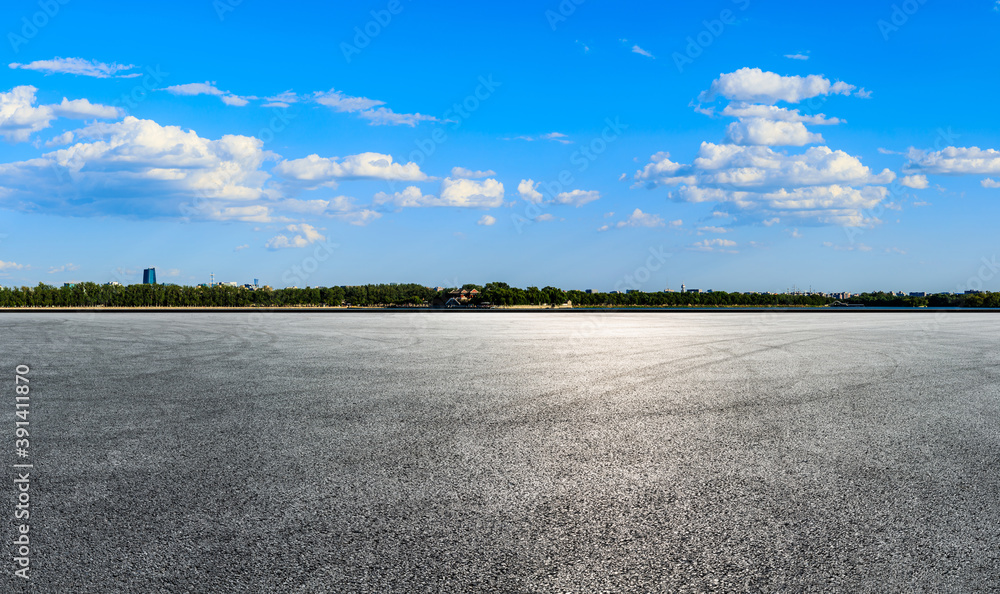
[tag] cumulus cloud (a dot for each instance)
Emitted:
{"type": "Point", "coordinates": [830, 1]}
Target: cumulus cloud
{"type": "Point", "coordinates": [468, 193]}
{"type": "Point", "coordinates": [470, 174]}
{"type": "Point", "coordinates": [360, 218]}
{"type": "Point", "coordinates": [917, 182]}
{"type": "Point", "coordinates": [528, 189]}
{"type": "Point", "coordinates": [409, 197]}
{"type": "Point", "coordinates": [463, 193]}
{"type": "Point", "coordinates": [758, 166]}
{"type": "Point", "coordinates": [773, 112]}
{"type": "Point", "coordinates": [207, 88]}
{"type": "Point", "coordinates": [639, 219]}
{"type": "Point", "coordinates": [486, 221]}
{"type": "Point", "coordinates": [303, 236]}
{"type": "Point", "coordinates": [79, 66]}
{"type": "Point", "coordinates": [140, 167]}
{"type": "Point", "coordinates": [758, 86]}
{"type": "Point", "coordinates": [328, 170]}
{"type": "Point", "coordinates": [990, 183]}
{"type": "Point", "coordinates": [577, 197]}
{"type": "Point", "coordinates": [5, 266]}
{"type": "Point", "coordinates": [660, 170]}
{"type": "Point", "coordinates": [20, 118]}
{"type": "Point", "coordinates": [953, 161]}
{"type": "Point", "coordinates": [760, 131]}
{"type": "Point", "coordinates": [816, 185]}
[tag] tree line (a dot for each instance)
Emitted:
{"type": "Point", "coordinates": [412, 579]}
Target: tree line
{"type": "Point", "coordinates": [415, 295]}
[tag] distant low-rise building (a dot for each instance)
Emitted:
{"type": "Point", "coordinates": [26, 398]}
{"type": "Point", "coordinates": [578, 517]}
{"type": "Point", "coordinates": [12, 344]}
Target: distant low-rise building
{"type": "Point", "coordinates": [918, 293]}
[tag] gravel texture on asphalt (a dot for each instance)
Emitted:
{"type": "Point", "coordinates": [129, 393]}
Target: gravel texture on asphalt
{"type": "Point", "coordinates": [429, 452]}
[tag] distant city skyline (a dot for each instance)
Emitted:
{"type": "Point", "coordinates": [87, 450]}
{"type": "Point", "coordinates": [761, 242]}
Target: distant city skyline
{"type": "Point", "coordinates": [729, 145]}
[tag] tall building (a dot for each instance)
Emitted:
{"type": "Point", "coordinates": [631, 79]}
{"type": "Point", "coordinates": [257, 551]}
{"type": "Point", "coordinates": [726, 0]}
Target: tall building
{"type": "Point", "coordinates": [149, 276]}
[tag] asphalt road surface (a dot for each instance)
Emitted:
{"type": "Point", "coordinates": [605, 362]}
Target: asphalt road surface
{"type": "Point", "coordinates": [458, 452]}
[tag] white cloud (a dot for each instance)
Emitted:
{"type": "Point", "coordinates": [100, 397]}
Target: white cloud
{"type": "Point", "coordinates": [544, 218]}
{"type": "Point", "coordinates": [990, 183]}
{"type": "Point", "coordinates": [714, 245]}
{"type": "Point", "coordinates": [20, 118]}
{"type": "Point", "coordinates": [797, 56]}
{"type": "Point", "coordinates": [758, 131]}
{"type": "Point", "coordinates": [140, 167]}
{"type": "Point", "coordinates": [241, 247]}
{"type": "Point", "coordinates": [79, 66]}
{"type": "Point", "coordinates": [529, 192]}
{"type": "Point", "coordinates": [470, 174]}
{"type": "Point", "coordinates": [714, 229]}
{"type": "Point", "coordinates": [468, 193]}
{"type": "Point", "coordinates": [553, 136]}
{"type": "Point", "coordinates": [758, 86]}
{"type": "Point", "coordinates": [751, 167]}
{"type": "Point", "coordinates": [345, 103]}
{"type": "Point", "coordinates": [281, 99]}
{"type": "Point", "coordinates": [369, 109]}
{"type": "Point", "coordinates": [853, 247]}
{"type": "Point", "coordinates": [4, 266]}
{"type": "Point", "coordinates": [954, 160]}
{"type": "Point", "coordinates": [305, 235]}
{"type": "Point", "coordinates": [337, 205]}
{"type": "Point", "coordinates": [360, 218]}
{"type": "Point", "coordinates": [462, 193]}
{"type": "Point", "coordinates": [82, 109]}
{"type": "Point", "coordinates": [832, 204]}
{"type": "Point", "coordinates": [773, 112]}
{"type": "Point", "coordinates": [410, 197]}
{"type": "Point", "coordinates": [256, 213]}
{"type": "Point", "coordinates": [659, 170]}
{"type": "Point", "coordinates": [638, 50]}
{"type": "Point", "coordinates": [383, 116]}
{"type": "Point", "coordinates": [64, 268]}
{"type": "Point", "coordinates": [577, 197]}
{"type": "Point", "coordinates": [639, 219]}
{"type": "Point", "coordinates": [486, 221]}
{"type": "Point", "coordinates": [771, 222]}
{"type": "Point", "coordinates": [556, 136]}
{"type": "Point", "coordinates": [917, 182]}
{"type": "Point", "coordinates": [326, 170]}
{"type": "Point", "coordinates": [60, 140]}
{"type": "Point", "coordinates": [207, 88]}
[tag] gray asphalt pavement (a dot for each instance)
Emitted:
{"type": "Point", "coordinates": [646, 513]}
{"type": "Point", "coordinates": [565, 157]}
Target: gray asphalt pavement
{"type": "Point", "coordinates": [419, 452]}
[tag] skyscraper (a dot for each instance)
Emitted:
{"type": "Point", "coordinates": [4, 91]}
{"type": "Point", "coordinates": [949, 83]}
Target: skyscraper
{"type": "Point", "coordinates": [149, 276]}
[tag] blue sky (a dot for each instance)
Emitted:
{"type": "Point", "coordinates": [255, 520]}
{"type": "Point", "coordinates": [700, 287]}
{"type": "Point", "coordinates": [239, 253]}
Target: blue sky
{"type": "Point", "coordinates": [728, 145]}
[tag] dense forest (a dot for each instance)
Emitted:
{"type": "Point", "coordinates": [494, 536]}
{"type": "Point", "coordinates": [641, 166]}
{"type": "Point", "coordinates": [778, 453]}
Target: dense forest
{"type": "Point", "coordinates": [402, 295]}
